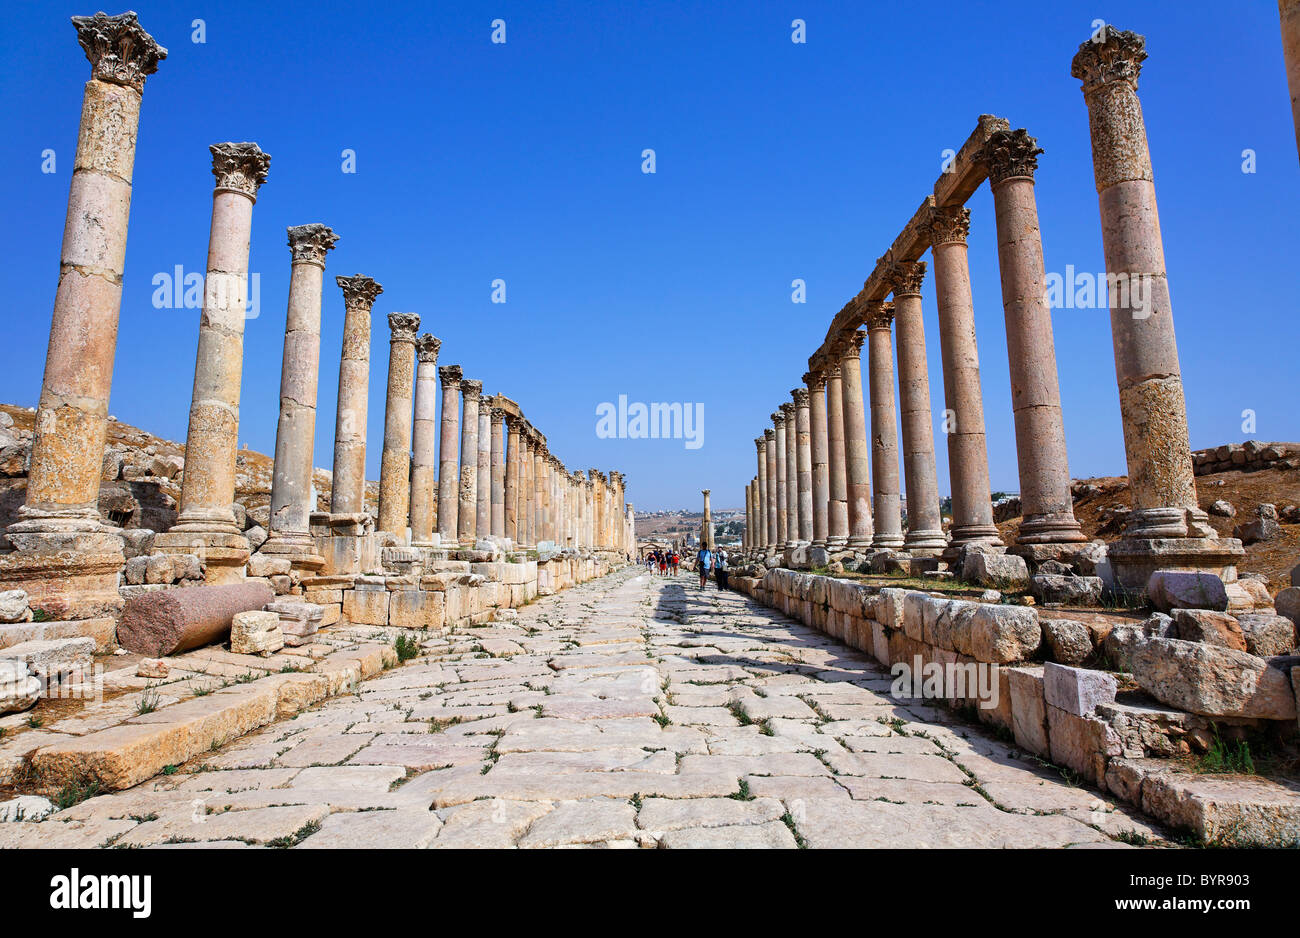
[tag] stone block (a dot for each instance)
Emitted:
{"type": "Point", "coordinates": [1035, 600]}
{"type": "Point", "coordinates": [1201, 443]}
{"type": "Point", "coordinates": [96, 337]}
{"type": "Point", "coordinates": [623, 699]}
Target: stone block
{"type": "Point", "coordinates": [1212, 680]}
{"type": "Point", "coordinates": [52, 659]}
{"type": "Point", "coordinates": [1005, 571]}
{"type": "Point", "coordinates": [1081, 744]}
{"type": "Point", "coordinates": [1067, 590]}
{"type": "Point", "coordinates": [366, 606]}
{"type": "Point", "coordinates": [1212, 628]}
{"type": "Point", "coordinates": [1266, 634]}
{"type": "Point", "coordinates": [1068, 642]}
{"type": "Point", "coordinates": [19, 689]}
{"type": "Point", "coordinates": [299, 621]}
{"type": "Point", "coordinates": [1185, 589]}
{"type": "Point", "coordinates": [13, 606]}
{"type": "Point", "coordinates": [1077, 690]}
{"type": "Point", "coordinates": [256, 632]}
{"type": "Point", "coordinates": [416, 609]}
{"type": "Point", "coordinates": [1003, 634]}
{"type": "Point", "coordinates": [1028, 708]}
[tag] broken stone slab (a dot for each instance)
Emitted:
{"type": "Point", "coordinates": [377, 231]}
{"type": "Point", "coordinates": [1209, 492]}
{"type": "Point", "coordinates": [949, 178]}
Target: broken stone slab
{"type": "Point", "coordinates": [1267, 635]}
{"type": "Point", "coordinates": [1212, 680]}
{"type": "Point", "coordinates": [1212, 628]}
{"type": "Point", "coordinates": [1077, 690]}
{"type": "Point", "coordinates": [256, 632]}
{"type": "Point", "coordinates": [1229, 811]}
{"type": "Point", "coordinates": [1069, 642]}
{"type": "Point", "coordinates": [169, 621]}
{"type": "Point", "coordinates": [25, 808]}
{"type": "Point", "coordinates": [1067, 590]}
{"type": "Point", "coordinates": [51, 659]}
{"type": "Point", "coordinates": [299, 621]}
{"type": "Point", "coordinates": [1003, 634]}
{"type": "Point", "coordinates": [153, 668]}
{"type": "Point", "coordinates": [1006, 571]}
{"type": "Point", "coordinates": [13, 606]}
{"type": "Point", "coordinates": [1186, 589]}
{"type": "Point", "coordinates": [18, 689]}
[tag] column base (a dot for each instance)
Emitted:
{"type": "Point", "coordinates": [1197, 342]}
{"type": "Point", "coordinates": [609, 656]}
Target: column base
{"type": "Point", "coordinates": [298, 549]}
{"type": "Point", "coordinates": [837, 542]}
{"type": "Point", "coordinates": [881, 542]}
{"type": "Point", "coordinates": [1056, 528]}
{"type": "Point", "coordinates": [79, 530]}
{"type": "Point", "coordinates": [1135, 559]}
{"type": "Point", "coordinates": [1171, 522]}
{"type": "Point", "coordinates": [925, 543]}
{"type": "Point", "coordinates": [66, 585]}
{"type": "Point", "coordinates": [224, 556]}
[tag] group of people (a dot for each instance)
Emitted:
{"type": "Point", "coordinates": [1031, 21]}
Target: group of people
{"type": "Point", "coordinates": [716, 561]}
{"type": "Point", "coordinates": [663, 562]}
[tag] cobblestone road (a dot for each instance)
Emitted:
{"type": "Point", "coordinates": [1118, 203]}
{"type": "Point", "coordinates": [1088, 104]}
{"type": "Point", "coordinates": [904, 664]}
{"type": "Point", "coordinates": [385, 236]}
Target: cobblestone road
{"type": "Point", "coordinates": [628, 712]}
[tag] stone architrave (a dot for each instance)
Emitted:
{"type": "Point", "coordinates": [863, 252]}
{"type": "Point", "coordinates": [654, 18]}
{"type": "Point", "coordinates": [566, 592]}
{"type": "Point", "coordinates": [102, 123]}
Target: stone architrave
{"type": "Point", "coordinates": [1166, 527]}
{"type": "Point", "coordinates": [424, 440]}
{"type": "Point", "coordinates": [968, 462]}
{"type": "Point", "coordinates": [449, 453]}
{"type": "Point", "coordinates": [467, 512]}
{"type": "Point", "coordinates": [295, 439]}
{"type": "Point", "coordinates": [206, 524]}
{"type": "Point", "coordinates": [348, 491]}
{"type": "Point", "coordinates": [1010, 158]}
{"type": "Point", "coordinates": [924, 523]}
{"type": "Point", "coordinates": [395, 462]}
{"type": "Point", "coordinates": [837, 506]}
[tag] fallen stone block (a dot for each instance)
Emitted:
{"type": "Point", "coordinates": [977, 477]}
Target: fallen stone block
{"type": "Point", "coordinates": [1212, 628]}
{"type": "Point", "coordinates": [51, 659]}
{"type": "Point", "coordinates": [154, 668]}
{"type": "Point", "coordinates": [1267, 635]}
{"type": "Point", "coordinates": [1185, 589]}
{"type": "Point", "coordinates": [1005, 571]}
{"type": "Point", "coordinates": [1003, 634]}
{"type": "Point", "coordinates": [19, 690]}
{"type": "Point", "coordinates": [298, 621]}
{"type": "Point", "coordinates": [1212, 680]}
{"type": "Point", "coordinates": [166, 622]}
{"type": "Point", "coordinates": [1229, 811]}
{"type": "Point", "coordinates": [1067, 590]}
{"type": "Point", "coordinates": [13, 606]}
{"type": "Point", "coordinates": [256, 632]}
{"type": "Point", "coordinates": [1068, 642]}
{"type": "Point", "coordinates": [1077, 690]}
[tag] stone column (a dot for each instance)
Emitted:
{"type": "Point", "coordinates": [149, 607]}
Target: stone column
{"type": "Point", "coordinates": [884, 429]}
{"type": "Point", "coordinates": [483, 510]}
{"type": "Point", "coordinates": [858, 479]}
{"type": "Point", "coordinates": [1166, 527]}
{"type": "Point", "coordinates": [295, 436]}
{"type": "Point", "coordinates": [206, 524]}
{"type": "Point", "coordinates": [539, 495]}
{"type": "Point", "coordinates": [497, 474]}
{"type": "Point", "coordinates": [782, 479]}
{"type": "Point", "coordinates": [760, 507]}
{"type": "Point", "coordinates": [772, 506]}
{"type": "Point", "coordinates": [968, 462]}
{"type": "Point", "coordinates": [466, 513]}
{"type": "Point", "coordinates": [348, 489]}
{"type": "Point", "coordinates": [706, 529]}
{"type": "Point", "coordinates": [395, 461]}
{"type": "Point", "coordinates": [803, 463]}
{"type": "Point", "coordinates": [819, 445]}
{"type": "Point", "coordinates": [424, 441]}
{"type": "Point", "coordinates": [525, 501]}
{"type": "Point", "coordinates": [924, 522]}
{"type": "Point", "coordinates": [837, 508]}
{"type": "Point", "coordinates": [1011, 158]}
{"type": "Point", "coordinates": [449, 454]}
{"type": "Point", "coordinates": [791, 534]}
{"type": "Point", "coordinates": [61, 510]}
{"type": "Point", "coordinates": [1289, 12]}
{"type": "Point", "coordinates": [511, 507]}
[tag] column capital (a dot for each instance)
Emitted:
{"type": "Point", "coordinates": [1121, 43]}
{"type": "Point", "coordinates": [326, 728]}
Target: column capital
{"type": "Point", "coordinates": [119, 49]}
{"type": "Point", "coordinates": [949, 225]}
{"type": "Point", "coordinates": [239, 167]}
{"type": "Point", "coordinates": [831, 372]}
{"type": "Point", "coordinates": [472, 390]}
{"type": "Point", "coordinates": [905, 277]}
{"type": "Point", "coordinates": [514, 422]}
{"type": "Point", "coordinates": [1010, 153]}
{"type": "Point", "coordinates": [308, 243]}
{"type": "Point", "coordinates": [778, 418]}
{"type": "Point", "coordinates": [705, 491]}
{"type": "Point", "coordinates": [449, 376]}
{"type": "Point", "coordinates": [769, 435]}
{"type": "Point", "coordinates": [816, 381]}
{"type": "Point", "coordinates": [404, 326]}
{"type": "Point", "coordinates": [427, 347]}
{"type": "Point", "coordinates": [800, 396]}
{"type": "Point", "coordinates": [1111, 55]}
{"type": "Point", "coordinates": [787, 409]}
{"type": "Point", "coordinates": [359, 291]}
{"type": "Point", "coordinates": [496, 413]}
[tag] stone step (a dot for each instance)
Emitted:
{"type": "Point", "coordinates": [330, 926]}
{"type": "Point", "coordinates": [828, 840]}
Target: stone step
{"type": "Point", "coordinates": [141, 747]}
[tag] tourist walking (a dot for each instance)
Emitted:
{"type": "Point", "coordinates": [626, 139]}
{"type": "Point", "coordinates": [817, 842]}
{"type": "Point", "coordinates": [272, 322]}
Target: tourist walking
{"type": "Point", "coordinates": [720, 570]}
{"type": "Point", "coordinates": [703, 564]}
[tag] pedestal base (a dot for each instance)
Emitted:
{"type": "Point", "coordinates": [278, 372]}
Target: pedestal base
{"type": "Point", "coordinates": [346, 543]}
{"type": "Point", "coordinates": [66, 585]}
{"type": "Point", "coordinates": [299, 550]}
{"type": "Point", "coordinates": [224, 556]}
{"type": "Point", "coordinates": [1056, 528]}
{"type": "Point", "coordinates": [1135, 559]}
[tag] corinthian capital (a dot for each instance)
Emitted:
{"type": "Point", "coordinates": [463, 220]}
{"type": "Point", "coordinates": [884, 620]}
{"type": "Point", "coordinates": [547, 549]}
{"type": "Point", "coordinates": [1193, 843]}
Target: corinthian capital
{"type": "Point", "coordinates": [760, 444]}
{"type": "Point", "coordinates": [800, 396]}
{"type": "Point", "coordinates": [1010, 153]}
{"type": "Point", "coordinates": [905, 277]}
{"type": "Point", "coordinates": [426, 348]}
{"type": "Point", "coordinates": [119, 49]}
{"type": "Point", "coordinates": [949, 225]}
{"type": "Point", "coordinates": [787, 410]}
{"type": "Point", "coordinates": [404, 326]}
{"type": "Point", "coordinates": [769, 434]}
{"type": "Point", "coordinates": [239, 167]}
{"type": "Point", "coordinates": [471, 390]}
{"type": "Point", "coordinates": [778, 419]}
{"type": "Point", "coordinates": [1111, 55]}
{"type": "Point", "coordinates": [850, 346]}
{"type": "Point", "coordinates": [816, 381]}
{"type": "Point", "coordinates": [359, 291]}
{"type": "Point", "coordinates": [450, 377]}
{"type": "Point", "coordinates": [308, 243]}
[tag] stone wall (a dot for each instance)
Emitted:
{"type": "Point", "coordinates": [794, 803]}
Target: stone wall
{"type": "Point", "coordinates": [1250, 456]}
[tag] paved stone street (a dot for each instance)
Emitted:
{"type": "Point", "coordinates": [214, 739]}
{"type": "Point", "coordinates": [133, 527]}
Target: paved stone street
{"type": "Point", "coordinates": [630, 711]}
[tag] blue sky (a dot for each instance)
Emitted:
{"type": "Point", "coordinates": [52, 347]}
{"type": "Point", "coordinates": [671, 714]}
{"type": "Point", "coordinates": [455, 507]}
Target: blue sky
{"type": "Point", "coordinates": [775, 161]}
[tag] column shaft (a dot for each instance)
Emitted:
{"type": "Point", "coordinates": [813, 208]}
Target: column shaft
{"type": "Point", "coordinates": [483, 492]}
{"type": "Point", "coordinates": [837, 508]}
{"type": "Point", "coordinates": [782, 480]}
{"type": "Point", "coordinates": [449, 454]}
{"type": "Point", "coordinates": [803, 533]}
{"type": "Point", "coordinates": [820, 467]}
{"type": "Point", "coordinates": [498, 474]}
{"type": "Point", "coordinates": [424, 440]}
{"type": "Point", "coordinates": [858, 462]}
{"type": "Point", "coordinates": [395, 461]}
{"type": "Point", "coordinates": [348, 484]}
{"type": "Point", "coordinates": [467, 511]}
{"type": "Point", "coordinates": [772, 506]}
{"type": "Point", "coordinates": [511, 507]}
{"type": "Point", "coordinates": [759, 540]}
